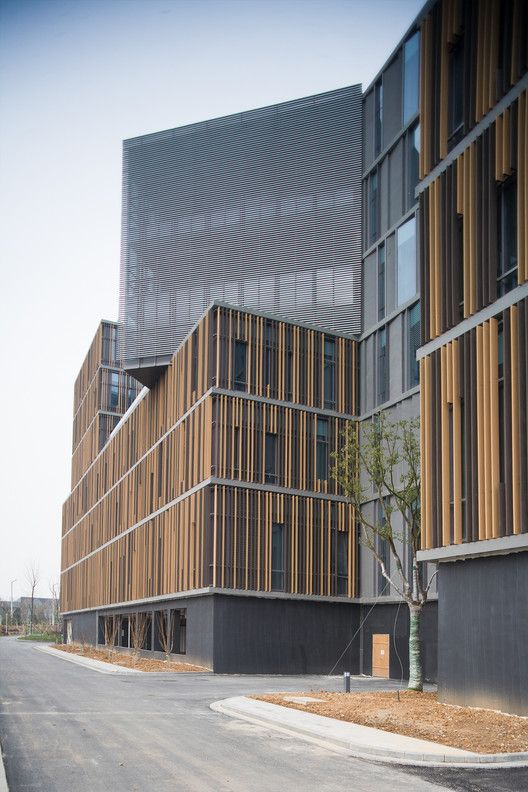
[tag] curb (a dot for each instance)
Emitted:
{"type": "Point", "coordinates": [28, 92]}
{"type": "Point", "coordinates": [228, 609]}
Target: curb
{"type": "Point", "coordinates": [3, 779]}
{"type": "Point", "coordinates": [275, 720]}
{"type": "Point", "coordinates": [87, 662]}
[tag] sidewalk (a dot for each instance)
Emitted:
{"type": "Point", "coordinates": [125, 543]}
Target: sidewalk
{"type": "Point", "coordinates": [361, 741]}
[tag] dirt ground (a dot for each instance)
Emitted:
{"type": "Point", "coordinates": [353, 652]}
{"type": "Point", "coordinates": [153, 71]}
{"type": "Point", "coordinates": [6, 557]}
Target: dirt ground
{"type": "Point", "coordinates": [420, 715]}
{"type": "Point", "coordinates": [128, 660]}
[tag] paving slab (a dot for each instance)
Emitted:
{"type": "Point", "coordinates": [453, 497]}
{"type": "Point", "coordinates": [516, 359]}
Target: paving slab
{"type": "Point", "coordinates": [361, 741]}
{"type": "Point", "coordinates": [88, 662]}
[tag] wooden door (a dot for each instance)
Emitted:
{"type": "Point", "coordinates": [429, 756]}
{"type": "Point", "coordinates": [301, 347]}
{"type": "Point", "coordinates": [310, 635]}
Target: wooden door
{"type": "Point", "coordinates": [380, 655]}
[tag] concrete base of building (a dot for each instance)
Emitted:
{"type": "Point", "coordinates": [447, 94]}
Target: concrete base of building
{"type": "Point", "coordinates": [233, 634]}
{"type": "Point", "coordinates": [483, 632]}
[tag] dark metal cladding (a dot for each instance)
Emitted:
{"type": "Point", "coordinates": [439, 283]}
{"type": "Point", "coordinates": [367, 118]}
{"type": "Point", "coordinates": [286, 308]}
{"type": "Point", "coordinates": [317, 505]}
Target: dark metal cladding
{"type": "Point", "coordinates": [261, 209]}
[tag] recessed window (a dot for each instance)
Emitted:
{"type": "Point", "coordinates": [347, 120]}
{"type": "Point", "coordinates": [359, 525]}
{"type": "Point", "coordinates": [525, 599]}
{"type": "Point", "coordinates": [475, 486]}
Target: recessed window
{"type": "Point", "coordinates": [381, 281]}
{"type": "Point", "coordinates": [413, 335]}
{"type": "Point", "coordinates": [382, 367]}
{"type": "Point", "coordinates": [240, 366]}
{"type": "Point", "coordinates": [277, 557]}
{"type": "Point", "coordinates": [329, 373]}
{"type": "Point", "coordinates": [321, 462]}
{"type": "Point", "coordinates": [456, 93]}
{"type": "Point", "coordinates": [373, 207]}
{"type": "Point", "coordinates": [270, 465]}
{"type": "Point", "coordinates": [413, 160]}
{"type": "Point", "coordinates": [406, 272]}
{"type": "Point", "coordinates": [114, 390]}
{"type": "Point", "coordinates": [339, 561]}
{"type": "Point", "coordinates": [384, 551]}
{"type": "Point", "coordinates": [268, 353]}
{"type": "Point", "coordinates": [507, 237]}
{"type": "Point", "coordinates": [411, 77]}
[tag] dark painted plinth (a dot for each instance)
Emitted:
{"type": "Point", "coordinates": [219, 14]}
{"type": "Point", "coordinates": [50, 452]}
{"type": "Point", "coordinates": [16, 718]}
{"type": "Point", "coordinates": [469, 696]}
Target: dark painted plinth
{"type": "Point", "coordinates": [394, 621]}
{"type": "Point", "coordinates": [234, 634]}
{"type": "Point", "coordinates": [483, 632]}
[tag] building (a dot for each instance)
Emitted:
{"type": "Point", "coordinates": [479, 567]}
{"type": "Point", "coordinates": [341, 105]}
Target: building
{"type": "Point", "coordinates": [473, 194]}
{"type": "Point", "coordinates": [337, 256]}
{"type": "Point", "coordinates": [270, 221]}
{"type": "Point", "coordinates": [213, 500]}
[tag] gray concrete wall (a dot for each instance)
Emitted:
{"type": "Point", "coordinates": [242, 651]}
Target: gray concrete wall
{"type": "Point", "coordinates": [268, 636]}
{"type": "Point", "coordinates": [483, 632]}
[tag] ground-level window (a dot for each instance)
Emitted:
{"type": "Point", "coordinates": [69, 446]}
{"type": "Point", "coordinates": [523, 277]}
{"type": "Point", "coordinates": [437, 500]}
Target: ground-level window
{"type": "Point", "coordinates": [277, 557]}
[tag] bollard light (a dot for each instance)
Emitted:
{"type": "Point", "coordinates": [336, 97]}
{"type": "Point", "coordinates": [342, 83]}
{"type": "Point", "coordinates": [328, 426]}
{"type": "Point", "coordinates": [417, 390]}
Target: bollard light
{"type": "Point", "coordinates": [346, 680]}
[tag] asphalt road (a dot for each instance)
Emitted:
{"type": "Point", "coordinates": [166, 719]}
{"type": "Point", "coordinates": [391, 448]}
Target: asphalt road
{"type": "Point", "coordinates": [65, 728]}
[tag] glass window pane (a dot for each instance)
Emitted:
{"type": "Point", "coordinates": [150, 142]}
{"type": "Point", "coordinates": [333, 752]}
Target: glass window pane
{"type": "Point", "coordinates": [413, 157]}
{"type": "Point", "coordinates": [406, 243]}
{"type": "Point", "coordinates": [277, 557]}
{"type": "Point", "coordinates": [414, 343]}
{"type": "Point", "coordinates": [411, 76]}
{"type": "Point", "coordinates": [239, 366]}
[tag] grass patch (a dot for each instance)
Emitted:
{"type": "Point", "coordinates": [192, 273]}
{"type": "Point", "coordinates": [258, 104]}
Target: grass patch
{"type": "Point", "coordinates": [43, 637]}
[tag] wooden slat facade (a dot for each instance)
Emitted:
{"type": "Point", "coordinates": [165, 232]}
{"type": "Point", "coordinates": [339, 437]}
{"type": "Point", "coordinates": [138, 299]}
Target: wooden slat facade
{"type": "Point", "coordinates": [494, 37]}
{"type": "Point", "coordinates": [459, 223]}
{"type": "Point", "coordinates": [475, 433]}
{"type": "Point", "coordinates": [147, 518]}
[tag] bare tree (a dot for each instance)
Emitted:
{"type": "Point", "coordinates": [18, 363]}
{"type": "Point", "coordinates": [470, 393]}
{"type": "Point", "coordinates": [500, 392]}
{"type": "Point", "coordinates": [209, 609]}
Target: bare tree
{"type": "Point", "coordinates": [54, 589]}
{"type": "Point", "coordinates": [165, 620]}
{"type": "Point", "coordinates": [387, 458]}
{"type": "Point", "coordinates": [111, 631]}
{"type": "Point", "coordinates": [138, 630]}
{"type": "Point", "coordinates": [32, 578]}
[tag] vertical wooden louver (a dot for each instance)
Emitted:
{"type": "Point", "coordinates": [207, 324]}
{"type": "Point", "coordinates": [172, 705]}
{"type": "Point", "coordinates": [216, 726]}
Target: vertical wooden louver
{"type": "Point", "coordinates": [474, 433]}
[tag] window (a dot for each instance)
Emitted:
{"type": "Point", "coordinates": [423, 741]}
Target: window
{"type": "Point", "coordinates": [411, 77]}
{"type": "Point", "coordinates": [239, 366]}
{"type": "Point", "coordinates": [131, 395]}
{"type": "Point", "coordinates": [289, 375]}
{"type": "Point", "coordinates": [339, 561]}
{"type": "Point", "coordinates": [413, 337]}
{"type": "Point", "coordinates": [456, 93]}
{"type": "Point", "coordinates": [268, 352]}
{"type": "Point", "coordinates": [412, 166]}
{"type": "Point", "coordinates": [459, 266]}
{"type": "Point", "coordinates": [270, 464]}
{"type": "Point", "coordinates": [502, 445]}
{"type": "Point", "coordinates": [378, 116]}
{"type": "Point", "coordinates": [406, 272]}
{"type": "Point", "coordinates": [236, 452]}
{"type": "Point", "coordinates": [373, 207]}
{"type": "Point", "coordinates": [383, 368]}
{"type": "Point", "coordinates": [383, 550]}
{"type": "Point", "coordinates": [381, 281]}
{"type": "Point", "coordinates": [321, 461]}
{"type": "Point", "coordinates": [114, 389]}
{"type": "Point", "coordinates": [277, 557]}
{"type": "Point", "coordinates": [194, 361]}
{"type": "Point", "coordinates": [507, 237]}
{"type": "Point", "coordinates": [329, 373]}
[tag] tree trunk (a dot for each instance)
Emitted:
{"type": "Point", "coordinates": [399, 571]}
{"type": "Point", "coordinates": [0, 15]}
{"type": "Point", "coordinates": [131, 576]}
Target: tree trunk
{"type": "Point", "coordinates": [415, 653]}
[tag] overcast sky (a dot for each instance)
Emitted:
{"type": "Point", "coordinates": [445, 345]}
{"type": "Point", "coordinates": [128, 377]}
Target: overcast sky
{"type": "Point", "coordinates": [76, 78]}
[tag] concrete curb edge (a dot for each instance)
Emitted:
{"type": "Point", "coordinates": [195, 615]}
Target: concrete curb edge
{"type": "Point", "coordinates": [3, 778]}
{"type": "Point", "coordinates": [87, 662]}
{"type": "Point", "coordinates": [480, 761]}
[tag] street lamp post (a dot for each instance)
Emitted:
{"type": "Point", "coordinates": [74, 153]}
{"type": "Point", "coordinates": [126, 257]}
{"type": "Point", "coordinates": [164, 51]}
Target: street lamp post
{"type": "Point", "coordinates": [13, 581]}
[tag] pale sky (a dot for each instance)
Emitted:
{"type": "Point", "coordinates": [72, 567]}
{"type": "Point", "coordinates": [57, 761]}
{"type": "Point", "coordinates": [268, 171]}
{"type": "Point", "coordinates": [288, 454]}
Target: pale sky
{"type": "Point", "coordinates": [76, 78]}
